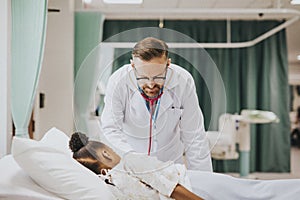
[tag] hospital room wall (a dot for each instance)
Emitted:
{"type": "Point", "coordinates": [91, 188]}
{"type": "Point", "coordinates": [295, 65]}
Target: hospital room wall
{"type": "Point", "coordinates": [56, 78]}
{"type": "Point", "coordinates": [294, 82]}
{"type": "Point", "coordinates": [5, 116]}
{"type": "Point", "coordinates": [294, 73]}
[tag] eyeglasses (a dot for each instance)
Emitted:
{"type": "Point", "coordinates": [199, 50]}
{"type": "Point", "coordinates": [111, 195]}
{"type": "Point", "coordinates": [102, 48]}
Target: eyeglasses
{"type": "Point", "coordinates": [157, 79]}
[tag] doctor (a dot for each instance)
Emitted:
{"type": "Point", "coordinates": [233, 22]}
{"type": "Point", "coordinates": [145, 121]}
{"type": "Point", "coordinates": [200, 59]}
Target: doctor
{"type": "Point", "coordinates": [151, 107]}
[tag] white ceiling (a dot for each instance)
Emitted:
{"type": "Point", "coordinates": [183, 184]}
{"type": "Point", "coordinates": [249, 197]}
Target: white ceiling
{"type": "Point", "coordinates": [205, 9]}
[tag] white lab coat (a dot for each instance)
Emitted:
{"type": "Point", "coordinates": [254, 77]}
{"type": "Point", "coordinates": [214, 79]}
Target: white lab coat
{"type": "Point", "coordinates": [179, 126]}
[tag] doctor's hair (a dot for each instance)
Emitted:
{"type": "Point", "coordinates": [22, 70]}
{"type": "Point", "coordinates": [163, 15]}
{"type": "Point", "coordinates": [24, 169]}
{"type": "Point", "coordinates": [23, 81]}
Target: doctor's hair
{"type": "Point", "coordinates": [85, 152]}
{"type": "Point", "coordinates": [150, 48]}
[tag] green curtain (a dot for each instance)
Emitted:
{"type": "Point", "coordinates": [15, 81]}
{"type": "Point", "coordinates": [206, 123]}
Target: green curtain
{"type": "Point", "coordinates": [254, 78]}
{"type": "Point", "coordinates": [27, 48]}
{"type": "Point", "coordinates": [88, 35]}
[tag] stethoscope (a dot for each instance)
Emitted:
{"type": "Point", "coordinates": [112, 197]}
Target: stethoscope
{"type": "Point", "coordinates": [153, 115]}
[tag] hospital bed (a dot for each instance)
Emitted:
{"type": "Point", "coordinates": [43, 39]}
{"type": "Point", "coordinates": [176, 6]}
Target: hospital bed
{"type": "Point", "coordinates": [45, 170]}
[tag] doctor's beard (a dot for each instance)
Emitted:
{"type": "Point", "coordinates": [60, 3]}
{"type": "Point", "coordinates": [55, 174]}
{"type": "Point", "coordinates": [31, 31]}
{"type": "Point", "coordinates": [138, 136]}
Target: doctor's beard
{"type": "Point", "coordinates": [151, 91]}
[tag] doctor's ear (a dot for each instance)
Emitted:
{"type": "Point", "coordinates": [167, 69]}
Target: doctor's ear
{"type": "Point", "coordinates": [131, 62]}
{"type": "Point", "coordinates": [169, 62]}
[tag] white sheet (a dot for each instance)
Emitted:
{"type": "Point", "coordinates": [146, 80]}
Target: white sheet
{"type": "Point", "coordinates": [16, 185]}
{"type": "Point", "coordinates": [220, 186]}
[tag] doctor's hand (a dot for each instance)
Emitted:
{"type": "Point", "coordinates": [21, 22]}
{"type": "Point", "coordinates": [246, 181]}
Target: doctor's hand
{"type": "Point", "coordinates": [142, 163]}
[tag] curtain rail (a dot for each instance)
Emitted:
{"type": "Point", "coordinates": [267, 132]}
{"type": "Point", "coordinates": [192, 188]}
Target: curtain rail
{"type": "Point", "coordinates": [190, 13]}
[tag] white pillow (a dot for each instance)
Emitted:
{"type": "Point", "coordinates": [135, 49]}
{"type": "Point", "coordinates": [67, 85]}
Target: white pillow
{"type": "Point", "coordinates": [49, 162]}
